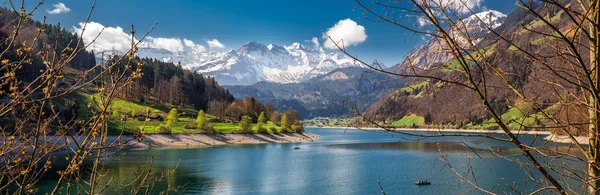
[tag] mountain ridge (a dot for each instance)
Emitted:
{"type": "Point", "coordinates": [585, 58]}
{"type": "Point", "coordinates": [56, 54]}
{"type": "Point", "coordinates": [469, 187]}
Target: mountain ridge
{"type": "Point", "coordinates": [433, 51]}
{"type": "Point", "coordinates": [324, 95]}
{"type": "Point", "coordinates": [254, 62]}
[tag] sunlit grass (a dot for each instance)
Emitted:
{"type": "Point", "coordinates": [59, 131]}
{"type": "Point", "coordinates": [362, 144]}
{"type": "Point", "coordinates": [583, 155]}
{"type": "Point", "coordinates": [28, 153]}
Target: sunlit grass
{"type": "Point", "coordinates": [409, 121]}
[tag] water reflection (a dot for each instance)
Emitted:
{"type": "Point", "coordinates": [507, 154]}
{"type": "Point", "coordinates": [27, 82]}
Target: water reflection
{"type": "Point", "coordinates": [342, 162]}
{"type": "Point", "coordinates": [446, 147]}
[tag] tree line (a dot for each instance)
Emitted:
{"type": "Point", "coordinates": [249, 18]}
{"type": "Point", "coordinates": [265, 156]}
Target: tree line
{"type": "Point", "coordinates": [252, 110]}
{"type": "Point", "coordinates": [167, 83]}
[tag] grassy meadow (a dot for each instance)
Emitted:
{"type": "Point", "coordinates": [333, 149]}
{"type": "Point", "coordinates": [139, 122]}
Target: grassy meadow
{"type": "Point", "coordinates": [134, 116]}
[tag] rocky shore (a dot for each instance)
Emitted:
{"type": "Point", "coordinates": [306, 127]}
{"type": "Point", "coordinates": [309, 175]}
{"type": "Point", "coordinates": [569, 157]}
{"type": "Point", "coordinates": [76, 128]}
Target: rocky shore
{"type": "Point", "coordinates": [566, 140]}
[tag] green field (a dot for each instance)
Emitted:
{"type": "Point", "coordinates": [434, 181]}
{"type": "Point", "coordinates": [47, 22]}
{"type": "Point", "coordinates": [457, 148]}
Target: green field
{"type": "Point", "coordinates": [151, 127]}
{"type": "Point", "coordinates": [125, 107]}
{"type": "Point", "coordinates": [409, 121]}
{"type": "Point", "coordinates": [129, 124]}
{"type": "Point", "coordinates": [415, 88]}
{"type": "Point", "coordinates": [518, 118]}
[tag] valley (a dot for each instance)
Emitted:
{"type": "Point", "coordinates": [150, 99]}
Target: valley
{"type": "Point", "coordinates": [301, 97]}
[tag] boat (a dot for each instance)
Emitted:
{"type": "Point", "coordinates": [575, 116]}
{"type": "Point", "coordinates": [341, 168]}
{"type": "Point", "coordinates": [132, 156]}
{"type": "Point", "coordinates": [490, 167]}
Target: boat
{"type": "Point", "coordinates": [297, 147]}
{"type": "Point", "coordinates": [422, 182]}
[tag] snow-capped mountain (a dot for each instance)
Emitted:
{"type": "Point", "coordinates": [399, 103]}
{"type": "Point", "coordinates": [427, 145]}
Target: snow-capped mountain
{"type": "Point", "coordinates": [435, 51]}
{"type": "Point", "coordinates": [254, 62]}
{"type": "Point", "coordinates": [186, 58]}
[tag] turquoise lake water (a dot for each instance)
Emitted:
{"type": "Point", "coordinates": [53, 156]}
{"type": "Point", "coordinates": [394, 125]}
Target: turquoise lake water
{"type": "Point", "coordinates": [341, 162]}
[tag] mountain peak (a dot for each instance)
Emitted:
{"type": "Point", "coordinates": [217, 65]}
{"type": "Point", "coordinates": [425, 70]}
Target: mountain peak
{"type": "Point", "coordinates": [491, 17]}
{"type": "Point", "coordinates": [295, 46]}
{"type": "Point", "coordinates": [254, 62]}
{"type": "Point", "coordinates": [434, 51]}
{"type": "Point", "coordinates": [253, 46]}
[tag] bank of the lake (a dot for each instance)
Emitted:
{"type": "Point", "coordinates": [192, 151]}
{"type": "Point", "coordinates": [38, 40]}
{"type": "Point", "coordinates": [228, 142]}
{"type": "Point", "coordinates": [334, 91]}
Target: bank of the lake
{"type": "Point", "coordinates": [187, 140]}
{"type": "Point", "coordinates": [204, 140]}
{"type": "Point", "coordinates": [440, 130]}
{"type": "Point", "coordinates": [550, 137]}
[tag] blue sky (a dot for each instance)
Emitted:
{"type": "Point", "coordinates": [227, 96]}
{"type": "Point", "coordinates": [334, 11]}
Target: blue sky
{"type": "Point", "coordinates": [235, 22]}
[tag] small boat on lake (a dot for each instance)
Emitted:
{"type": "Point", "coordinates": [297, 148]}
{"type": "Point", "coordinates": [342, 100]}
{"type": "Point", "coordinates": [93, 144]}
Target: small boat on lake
{"type": "Point", "coordinates": [422, 182]}
{"type": "Point", "coordinates": [297, 147]}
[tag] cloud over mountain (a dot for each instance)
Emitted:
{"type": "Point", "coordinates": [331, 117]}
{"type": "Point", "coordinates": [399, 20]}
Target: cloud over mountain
{"type": "Point", "coordinates": [346, 32]}
{"type": "Point", "coordinates": [169, 44]}
{"type": "Point", "coordinates": [214, 43]}
{"type": "Point", "coordinates": [109, 39]}
{"type": "Point", "coordinates": [195, 47]}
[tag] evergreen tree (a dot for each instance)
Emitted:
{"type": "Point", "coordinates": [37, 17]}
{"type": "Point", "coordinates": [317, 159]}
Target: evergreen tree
{"type": "Point", "coordinates": [172, 117]}
{"type": "Point", "coordinates": [427, 119]}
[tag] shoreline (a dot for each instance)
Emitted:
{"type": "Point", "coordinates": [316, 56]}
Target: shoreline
{"type": "Point", "coordinates": [203, 140]}
{"type": "Point", "coordinates": [550, 137]}
{"type": "Point", "coordinates": [152, 141]}
{"type": "Point", "coordinates": [565, 139]}
{"type": "Point", "coordinates": [521, 132]}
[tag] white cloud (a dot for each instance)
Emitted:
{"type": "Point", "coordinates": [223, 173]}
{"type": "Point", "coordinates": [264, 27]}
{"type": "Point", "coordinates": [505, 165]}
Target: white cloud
{"type": "Point", "coordinates": [169, 44]}
{"type": "Point", "coordinates": [194, 46]}
{"type": "Point", "coordinates": [59, 8]}
{"type": "Point", "coordinates": [189, 43]}
{"type": "Point", "coordinates": [199, 48]}
{"type": "Point", "coordinates": [111, 38]}
{"type": "Point", "coordinates": [215, 43]}
{"type": "Point", "coordinates": [315, 41]}
{"type": "Point", "coordinates": [346, 31]}
{"type": "Point", "coordinates": [118, 40]}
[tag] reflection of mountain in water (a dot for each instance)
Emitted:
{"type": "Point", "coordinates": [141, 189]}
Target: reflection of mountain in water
{"type": "Point", "coordinates": [450, 146]}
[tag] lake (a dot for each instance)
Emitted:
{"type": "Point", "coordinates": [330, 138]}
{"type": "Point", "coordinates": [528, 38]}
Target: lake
{"type": "Point", "coordinates": [341, 162]}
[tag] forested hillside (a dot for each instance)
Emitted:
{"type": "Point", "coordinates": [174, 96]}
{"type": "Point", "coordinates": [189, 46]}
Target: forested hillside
{"type": "Point", "coordinates": [143, 92]}
{"type": "Point", "coordinates": [326, 95]}
{"type": "Point", "coordinates": [167, 83]}
{"type": "Point", "coordinates": [43, 36]}
{"type": "Point", "coordinates": [442, 104]}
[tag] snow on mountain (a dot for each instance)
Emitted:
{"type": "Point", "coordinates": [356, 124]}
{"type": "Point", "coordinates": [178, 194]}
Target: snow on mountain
{"type": "Point", "coordinates": [435, 50]}
{"type": "Point", "coordinates": [254, 62]}
{"type": "Point", "coordinates": [187, 58]}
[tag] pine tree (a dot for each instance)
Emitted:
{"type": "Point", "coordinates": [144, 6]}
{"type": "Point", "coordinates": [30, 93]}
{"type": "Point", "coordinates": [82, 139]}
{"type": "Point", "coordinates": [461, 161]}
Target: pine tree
{"type": "Point", "coordinates": [172, 117]}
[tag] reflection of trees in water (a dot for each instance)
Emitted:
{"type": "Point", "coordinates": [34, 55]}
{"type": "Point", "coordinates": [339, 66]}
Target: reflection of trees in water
{"type": "Point", "coordinates": [160, 178]}
{"type": "Point", "coordinates": [123, 174]}
{"type": "Point", "coordinates": [448, 146]}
